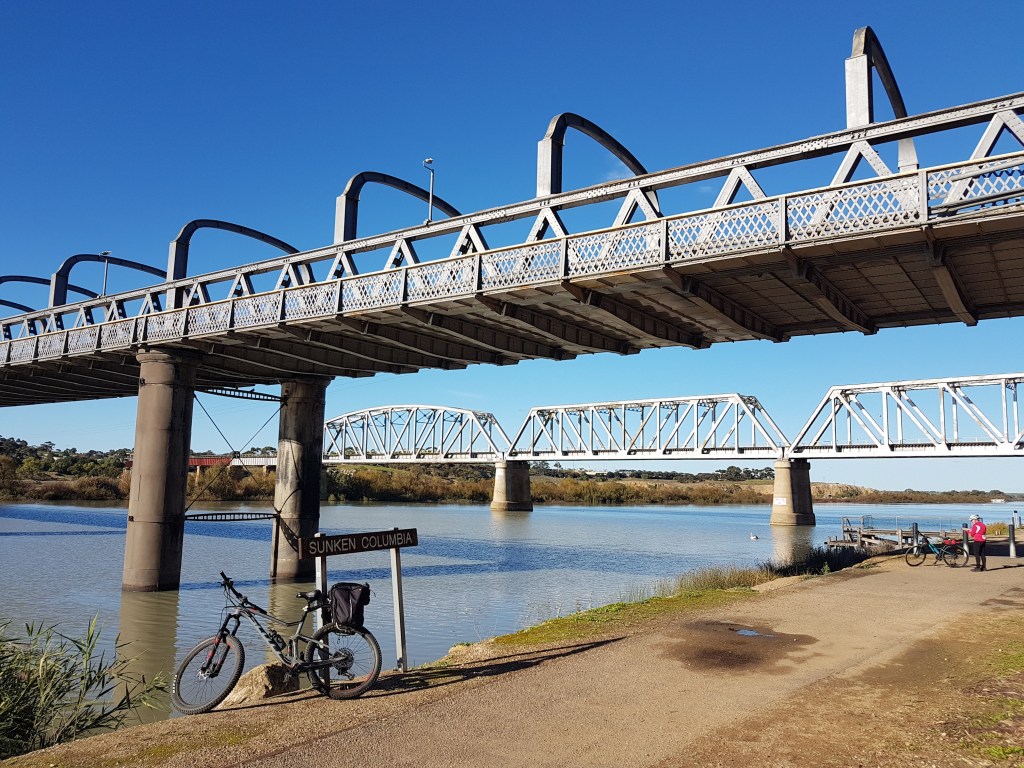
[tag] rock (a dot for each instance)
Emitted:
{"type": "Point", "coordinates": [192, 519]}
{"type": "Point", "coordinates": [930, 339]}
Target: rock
{"type": "Point", "coordinates": [261, 683]}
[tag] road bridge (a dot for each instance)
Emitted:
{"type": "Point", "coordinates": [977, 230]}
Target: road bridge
{"type": "Point", "coordinates": [907, 245]}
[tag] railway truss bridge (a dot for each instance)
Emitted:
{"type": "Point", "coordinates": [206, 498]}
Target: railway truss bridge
{"type": "Point", "coordinates": [879, 239]}
{"type": "Point", "coordinates": [973, 416]}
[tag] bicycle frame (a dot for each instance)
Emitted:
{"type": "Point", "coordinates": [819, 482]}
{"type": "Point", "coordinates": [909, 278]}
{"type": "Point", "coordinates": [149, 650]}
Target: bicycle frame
{"type": "Point", "coordinates": [278, 645]}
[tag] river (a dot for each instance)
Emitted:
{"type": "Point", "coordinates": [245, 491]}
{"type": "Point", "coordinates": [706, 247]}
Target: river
{"type": "Point", "coordinates": [473, 575]}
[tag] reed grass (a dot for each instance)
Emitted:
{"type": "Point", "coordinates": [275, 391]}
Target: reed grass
{"type": "Point", "coordinates": [55, 688]}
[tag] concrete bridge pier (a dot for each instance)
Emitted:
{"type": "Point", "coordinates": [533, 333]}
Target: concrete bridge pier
{"type": "Point", "coordinates": [299, 471]}
{"type": "Point", "coordinates": [512, 487]}
{"type": "Point", "coordinates": [791, 499]}
{"type": "Point", "coordinates": [156, 505]}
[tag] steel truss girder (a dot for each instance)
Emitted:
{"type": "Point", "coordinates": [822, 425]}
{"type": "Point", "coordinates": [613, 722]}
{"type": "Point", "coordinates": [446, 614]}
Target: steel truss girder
{"type": "Point", "coordinates": [414, 434]}
{"type": "Point", "coordinates": [965, 416]}
{"type": "Point", "coordinates": [729, 426]}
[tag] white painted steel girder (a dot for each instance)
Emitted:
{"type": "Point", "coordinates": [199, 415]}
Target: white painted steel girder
{"type": "Point", "coordinates": [963, 416]}
{"type": "Point", "coordinates": [729, 426]}
{"type": "Point", "coordinates": [414, 434]}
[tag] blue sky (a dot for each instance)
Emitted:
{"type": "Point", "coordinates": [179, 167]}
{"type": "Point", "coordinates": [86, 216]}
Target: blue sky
{"type": "Point", "coordinates": [123, 121]}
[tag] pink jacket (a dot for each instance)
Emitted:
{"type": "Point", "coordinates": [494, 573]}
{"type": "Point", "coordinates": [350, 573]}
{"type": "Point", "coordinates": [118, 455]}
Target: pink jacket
{"type": "Point", "coordinates": [978, 530]}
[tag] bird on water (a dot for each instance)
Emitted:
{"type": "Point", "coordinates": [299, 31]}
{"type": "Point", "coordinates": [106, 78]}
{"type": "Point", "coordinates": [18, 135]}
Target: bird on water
{"type": "Point", "coordinates": [753, 536]}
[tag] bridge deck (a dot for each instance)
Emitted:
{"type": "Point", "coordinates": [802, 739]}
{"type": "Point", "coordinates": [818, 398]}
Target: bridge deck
{"type": "Point", "coordinates": [887, 252]}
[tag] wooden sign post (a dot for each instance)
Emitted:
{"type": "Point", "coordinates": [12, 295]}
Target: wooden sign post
{"type": "Point", "coordinates": [321, 547]}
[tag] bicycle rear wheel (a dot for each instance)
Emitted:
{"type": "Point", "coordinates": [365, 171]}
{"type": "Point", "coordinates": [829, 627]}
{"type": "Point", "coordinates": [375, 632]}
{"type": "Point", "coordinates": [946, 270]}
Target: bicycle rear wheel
{"type": "Point", "coordinates": [915, 556]}
{"type": "Point", "coordinates": [207, 674]}
{"type": "Point", "coordinates": [956, 556]}
{"type": "Point", "coordinates": [354, 661]}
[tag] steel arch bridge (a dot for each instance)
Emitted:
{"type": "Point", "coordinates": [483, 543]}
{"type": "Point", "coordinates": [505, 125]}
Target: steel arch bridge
{"type": "Point", "coordinates": [414, 434]}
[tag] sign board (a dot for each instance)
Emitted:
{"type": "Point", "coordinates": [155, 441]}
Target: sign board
{"type": "Point", "coordinates": [350, 543]}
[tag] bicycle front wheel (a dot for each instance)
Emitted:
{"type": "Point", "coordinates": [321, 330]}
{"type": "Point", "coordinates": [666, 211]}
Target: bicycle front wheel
{"type": "Point", "coordinates": [915, 556]}
{"type": "Point", "coordinates": [344, 661]}
{"type": "Point", "coordinates": [956, 556]}
{"type": "Point", "coordinates": [207, 674]}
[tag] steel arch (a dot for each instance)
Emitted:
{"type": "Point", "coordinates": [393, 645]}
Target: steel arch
{"type": "Point", "coordinates": [347, 207]}
{"type": "Point", "coordinates": [414, 434]}
{"type": "Point", "coordinates": [59, 284]}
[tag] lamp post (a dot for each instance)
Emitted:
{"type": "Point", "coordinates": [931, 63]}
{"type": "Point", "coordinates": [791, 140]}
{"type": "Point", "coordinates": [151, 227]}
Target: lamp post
{"type": "Point", "coordinates": [106, 265]}
{"type": "Point", "coordinates": [429, 165]}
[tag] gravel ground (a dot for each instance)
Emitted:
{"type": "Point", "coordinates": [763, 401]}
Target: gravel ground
{"type": "Point", "coordinates": [878, 666]}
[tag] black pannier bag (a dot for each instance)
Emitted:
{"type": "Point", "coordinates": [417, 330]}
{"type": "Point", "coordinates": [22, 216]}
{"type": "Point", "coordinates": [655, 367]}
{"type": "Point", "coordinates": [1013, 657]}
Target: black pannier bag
{"type": "Point", "coordinates": [347, 600]}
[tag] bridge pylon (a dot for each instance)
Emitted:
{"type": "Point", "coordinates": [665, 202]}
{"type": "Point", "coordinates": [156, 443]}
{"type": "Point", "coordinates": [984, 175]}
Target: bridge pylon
{"type": "Point", "coordinates": [512, 487]}
{"type": "Point", "coordinates": [791, 497]}
{"type": "Point", "coordinates": [156, 504]}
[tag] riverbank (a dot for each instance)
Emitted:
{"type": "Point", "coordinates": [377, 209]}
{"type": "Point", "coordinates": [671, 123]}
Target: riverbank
{"type": "Point", "coordinates": [882, 665]}
{"type": "Point", "coordinates": [418, 486]}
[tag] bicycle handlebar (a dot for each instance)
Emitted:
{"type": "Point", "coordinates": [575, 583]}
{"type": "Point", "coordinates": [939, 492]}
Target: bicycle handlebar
{"type": "Point", "coordinates": [228, 584]}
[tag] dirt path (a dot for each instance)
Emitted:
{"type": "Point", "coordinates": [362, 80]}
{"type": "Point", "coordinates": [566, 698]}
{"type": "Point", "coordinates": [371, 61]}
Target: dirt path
{"type": "Point", "coordinates": [860, 667]}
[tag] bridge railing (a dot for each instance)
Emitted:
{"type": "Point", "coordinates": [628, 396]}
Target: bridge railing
{"type": "Point", "coordinates": [852, 209]}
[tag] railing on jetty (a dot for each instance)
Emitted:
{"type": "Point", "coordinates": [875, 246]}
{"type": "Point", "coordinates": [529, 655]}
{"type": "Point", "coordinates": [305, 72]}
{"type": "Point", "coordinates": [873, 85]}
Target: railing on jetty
{"type": "Point", "coordinates": [863, 533]}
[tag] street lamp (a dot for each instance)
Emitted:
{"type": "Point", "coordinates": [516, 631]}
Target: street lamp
{"type": "Point", "coordinates": [429, 165]}
{"type": "Point", "coordinates": [106, 265]}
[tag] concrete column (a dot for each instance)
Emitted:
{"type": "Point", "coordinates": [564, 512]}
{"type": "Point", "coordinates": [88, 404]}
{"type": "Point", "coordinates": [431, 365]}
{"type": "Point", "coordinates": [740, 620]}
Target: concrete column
{"type": "Point", "coordinates": [297, 489]}
{"type": "Point", "coordinates": [791, 502]}
{"type": "Point", "coordinates": [156, 504]}
{"type": "Point", "coordinates": [512, 487]}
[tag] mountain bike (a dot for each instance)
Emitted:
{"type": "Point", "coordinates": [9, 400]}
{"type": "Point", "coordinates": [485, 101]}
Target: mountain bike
{"type": "Point", "coordinates": [949, 552]}
{"type": "Point", "coordinates": [341, 661]}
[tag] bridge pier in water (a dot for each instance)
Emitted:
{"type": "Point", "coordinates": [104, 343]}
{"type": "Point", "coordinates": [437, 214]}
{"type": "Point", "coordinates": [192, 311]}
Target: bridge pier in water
{"type": "Point", "coordinates": [299, 473]}
{"type": "Point", "coordinates": [156, 504]}
{"type": "Point", "coordinates": [791, 498]}
{"type": "Point", "coordinates": [512, 487]}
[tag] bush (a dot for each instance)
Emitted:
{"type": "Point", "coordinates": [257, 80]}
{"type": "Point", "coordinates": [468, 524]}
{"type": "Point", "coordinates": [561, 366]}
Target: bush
{"type": "Point", "coordinates": [55, 688]}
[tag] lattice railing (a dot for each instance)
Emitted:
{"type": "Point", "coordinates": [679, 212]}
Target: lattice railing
{"type": "Point", "coordinates": [261, 309]}
{"type": "Point", "coordinates": [380, 289]}
{"type": "Point", "coordinates": [318, 300]}
{"type": "Point", "coordinates": [976, 184]}
{"type": "Point", "coordinates": [740, 228]}
{"type": "Point", "coordinates": [853, 209]}
{"type": "Point", "coordinates": [209, 318]}
{"type": "Point", "coordinates": [615, 250]}
{"type": "Point", "coordinates": [440, 279]}
{"type": "Point", "coordinates": [118, 334]}
{"type": "Point", "coordinates": [847, 210]}
{"type": "Point", "coordinates": [83, 339]}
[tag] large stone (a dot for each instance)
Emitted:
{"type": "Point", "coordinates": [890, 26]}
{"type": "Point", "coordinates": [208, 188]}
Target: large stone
{"type": "Point", "coordinates": [261, 683]}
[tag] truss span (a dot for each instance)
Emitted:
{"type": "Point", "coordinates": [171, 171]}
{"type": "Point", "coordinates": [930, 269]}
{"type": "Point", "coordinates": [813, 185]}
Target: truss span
{"type": "Point", "coordinates": [414, 434]}
{"type": "Point", "coordinates": [730, 426]}
{"type": "Point", "coordinates": [966, 416]}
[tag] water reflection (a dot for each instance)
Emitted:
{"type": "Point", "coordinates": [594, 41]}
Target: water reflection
{"type": "Point", "coordinates": [791, 542]}
{"type": "Point", "coordinates": [148, 628]}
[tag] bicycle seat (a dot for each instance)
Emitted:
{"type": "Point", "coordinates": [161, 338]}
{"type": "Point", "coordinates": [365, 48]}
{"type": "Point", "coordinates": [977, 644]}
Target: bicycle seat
{"type": "Point", "coordinates": [309, 596]}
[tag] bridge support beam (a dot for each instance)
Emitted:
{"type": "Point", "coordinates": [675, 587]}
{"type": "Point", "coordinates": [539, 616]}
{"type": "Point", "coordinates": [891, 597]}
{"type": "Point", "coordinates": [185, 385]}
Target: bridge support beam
{"type": "Point", "coordinates": [791, 499]}
{"type": "Point", "coordinates": [156, 504]}
{"type": "Point", "coordinates": [512, 487]}
{"type": "Point", "coordinates": [299, 469]}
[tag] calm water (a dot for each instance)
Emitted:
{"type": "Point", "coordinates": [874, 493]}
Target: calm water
{"type": "Point", "coordinates": [474, 574]}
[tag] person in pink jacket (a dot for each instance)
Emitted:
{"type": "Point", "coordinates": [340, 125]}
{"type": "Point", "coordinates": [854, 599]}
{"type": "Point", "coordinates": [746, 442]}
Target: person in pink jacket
{"type": "Point", "coordinates": [977, 533]}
